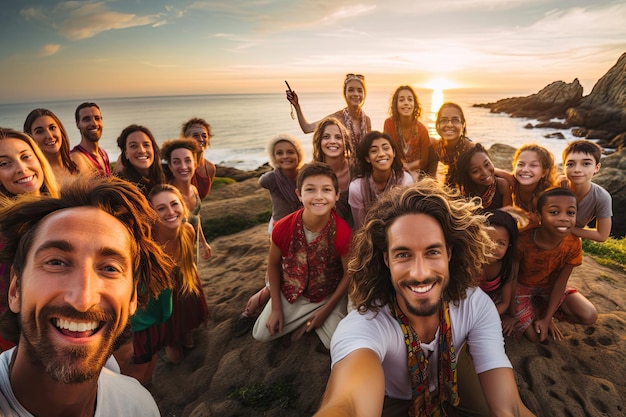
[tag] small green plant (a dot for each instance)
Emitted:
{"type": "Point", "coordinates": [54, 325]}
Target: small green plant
{"type": "Point", "coordinates": [228, 225]}
{"type": "Point", "coordinates": [222, 181]}
{"type": "Point", "coordinates": [611, 253]}
{"type": "Point", "coordinates": [279, 394]}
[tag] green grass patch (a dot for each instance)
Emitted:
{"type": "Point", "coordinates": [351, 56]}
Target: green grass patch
{"type": "Point", "coordinates": [279, 394]}
{"type": "Point", "coordinates": [228, 225]}
{"type": "Point", "coordinates": [222, 181]}
{"type": "Point", "coordinates": [611, 253]}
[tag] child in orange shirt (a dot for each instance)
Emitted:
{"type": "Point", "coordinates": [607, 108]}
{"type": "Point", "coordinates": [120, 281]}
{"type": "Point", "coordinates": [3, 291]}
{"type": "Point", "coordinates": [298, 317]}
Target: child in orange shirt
{"type": "Point", "coordinates": [547, 254]}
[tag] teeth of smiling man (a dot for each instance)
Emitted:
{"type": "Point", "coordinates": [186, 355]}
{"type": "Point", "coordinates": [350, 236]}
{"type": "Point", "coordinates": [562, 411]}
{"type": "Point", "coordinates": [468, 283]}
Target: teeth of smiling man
{"type": "Point", "coordinates": [421, 289]}
{"type": "Point", "coordinates": [73, 326]}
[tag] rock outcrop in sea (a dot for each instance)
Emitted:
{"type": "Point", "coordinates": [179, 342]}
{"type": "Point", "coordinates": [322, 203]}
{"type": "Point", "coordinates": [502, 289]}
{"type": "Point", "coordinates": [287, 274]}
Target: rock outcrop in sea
{"type": "Point", "coordinates": [600, 115]}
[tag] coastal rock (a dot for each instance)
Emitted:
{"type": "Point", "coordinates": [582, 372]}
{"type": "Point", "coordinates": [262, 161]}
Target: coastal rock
{"type": "Point", "coordinates": [239, 175]}
{"type": "Point", "coordinates": [551, 102]}
{"type": "Point", "coordinates": [599, 115]}
{"type": "Point", "coordinates": [555, 135]}
{"type": "Point", "coordinates": [612, 177]}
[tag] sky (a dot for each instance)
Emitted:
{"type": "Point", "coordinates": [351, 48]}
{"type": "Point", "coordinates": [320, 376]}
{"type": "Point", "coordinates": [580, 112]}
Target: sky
{"type": "Point", "coordinates": [53, 50]}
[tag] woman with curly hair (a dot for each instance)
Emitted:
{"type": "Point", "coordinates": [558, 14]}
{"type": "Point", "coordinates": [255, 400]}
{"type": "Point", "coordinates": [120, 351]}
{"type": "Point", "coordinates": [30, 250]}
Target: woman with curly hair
{"type": "Point", "coordinates": [410, 134]}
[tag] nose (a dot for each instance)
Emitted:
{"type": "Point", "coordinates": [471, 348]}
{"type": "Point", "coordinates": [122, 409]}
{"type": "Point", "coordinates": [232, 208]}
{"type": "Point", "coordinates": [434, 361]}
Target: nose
{"type": "Point", "coordinates": [21, 166]}
{"type": "Point", "coordinates": [82, 288]}
{"type": "Point", "coordinates": [419, 269]}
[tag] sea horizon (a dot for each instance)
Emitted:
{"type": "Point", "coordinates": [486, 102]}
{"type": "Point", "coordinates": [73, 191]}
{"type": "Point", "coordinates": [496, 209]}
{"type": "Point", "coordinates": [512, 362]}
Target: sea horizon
{"type": "Point", "coordinates": [243, 123]}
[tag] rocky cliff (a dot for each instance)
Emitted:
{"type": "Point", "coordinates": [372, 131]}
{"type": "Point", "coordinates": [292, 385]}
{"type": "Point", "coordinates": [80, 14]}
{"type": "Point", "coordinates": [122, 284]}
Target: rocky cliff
{"type": "Point", "coordinates": [599, 115]}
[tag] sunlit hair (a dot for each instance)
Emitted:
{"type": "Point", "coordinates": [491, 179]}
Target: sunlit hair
{"type": "Point", "coordinates": [83, 106]}
{"type": "Point", "coordinates": [553, 192]}
{"type": "Point", "coordinates": [393, 105]}
{"type": "Point", "coordinates": [363, 168]}
{"type": "Point", "coordinates": [196, 121]}
{"type": "Point", "coordinates": [464, 229]}
{"type": "Point", "coordinates": [20, 222]}
{"type": "Point", "coordinates": [318, 133]}
{"type": "Point", "coordinates": [508, 222]}
{"type": "Point", "coordinates": [65, 139]}
{"type": "Point", "coordinates": [466, 185]}
{"type": "Point", "coordinates": [585, 147]}
{"type": "Point", "coordinates": [547, 164]}
{"type": "Point", "coordinates": [187, 274]}
{"type": "Point", "coordinates": [129, 172]}
{"type": "Point", "coordinates": [184, 130]}
{"type": "Point", "coordinates": [170, 146]}
{"type": "Point", "coordinates": [284, 137]}
{"type": "Point", "coordinates": [316, 168]}
{"type": "Point", "coordinates": [49, 185]}
{"type": "Point", "coordinates": [456, 106]}
{"type": "Point", "coordinates": [358, 77]}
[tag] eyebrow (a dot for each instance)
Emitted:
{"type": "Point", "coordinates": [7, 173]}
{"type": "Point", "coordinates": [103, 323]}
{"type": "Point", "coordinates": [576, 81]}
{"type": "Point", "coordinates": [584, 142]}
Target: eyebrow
{"type": "Point", "coordinates": [66, 246]}
{"type": "Point", "coordinates": [429, 247]}
{"type": "Point", "coordinates": [62, 245]}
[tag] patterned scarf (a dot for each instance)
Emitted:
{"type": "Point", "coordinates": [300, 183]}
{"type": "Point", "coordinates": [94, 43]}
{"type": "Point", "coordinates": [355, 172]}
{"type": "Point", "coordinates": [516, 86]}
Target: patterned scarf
{"type": "Point", "coordinates": [355, 134]}
{"type": "Point", "coordinates": [287, 190]}
{"type": "Point", "coordinates": [424, 405]}
{"type": "Point", "coordinates": [370, 191]}
{"type": "Point", "coordinates": [450, 159]}
{"type": "Point", "coordinates": [312, 270]}
{"type": "Point", "coordinates": [410, 146]}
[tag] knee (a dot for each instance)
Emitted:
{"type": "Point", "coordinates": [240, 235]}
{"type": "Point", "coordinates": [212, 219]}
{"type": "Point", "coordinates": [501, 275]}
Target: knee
{"type": "Point", "coordinates": [589, 316]}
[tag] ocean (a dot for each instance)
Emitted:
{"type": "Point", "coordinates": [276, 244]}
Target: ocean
{"type": "Point", "coordinates": [243, 123]}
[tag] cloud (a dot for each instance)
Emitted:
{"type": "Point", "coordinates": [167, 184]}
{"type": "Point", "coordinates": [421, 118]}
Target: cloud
{"type": "Point", "coordinates": [79, 20]}
{"type": "Point", "coordinates": [49, 49]}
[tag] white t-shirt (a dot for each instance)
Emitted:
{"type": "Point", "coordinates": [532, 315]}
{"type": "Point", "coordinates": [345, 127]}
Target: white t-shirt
{"type": "Point", "coordinates": [118, 395]}
{"type": "Point", "coordinates": [474, 320]}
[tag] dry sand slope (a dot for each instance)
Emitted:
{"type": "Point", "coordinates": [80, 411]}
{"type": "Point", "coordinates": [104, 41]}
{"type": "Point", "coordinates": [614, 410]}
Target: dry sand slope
{"type": "Point", "coordinates": [583, 375]}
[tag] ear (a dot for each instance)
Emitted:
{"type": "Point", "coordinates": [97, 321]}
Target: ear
{"type": "Point", "coordinates": [337, 196]}
{"type": "Point", "coordinates": [449, 250]}
{"type": "Point", "coordinates": [597, 167]}
{"type": "Point", "coordinates": [299, 195]}
{"type": "Point", "coordinates": [133, 302]}
{"type": "Point", "coordinates": [386, 258]}
{"type": "Point", "coordinates": [14, 293]}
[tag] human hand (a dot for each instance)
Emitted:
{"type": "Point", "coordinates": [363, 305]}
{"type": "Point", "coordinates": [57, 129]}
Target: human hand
{"type": "Point", "coordinates": [542, 327]}
{"type": "Point", "coordinates": [275, 322]}
{"type": "Point", "coordinates": [508, 324]}
{"type": "Point", "coordinates": [317, 319]}
{"type": "Point", "coordinates": [206, 251]}
{"type": "Point", "coordinates": [292, 97]}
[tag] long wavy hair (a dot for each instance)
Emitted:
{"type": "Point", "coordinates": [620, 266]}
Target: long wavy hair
{"type": "Point", "coordinates": [187, 274]}
{"type": "Point", "coordinates": [393, 104]}
{"type": "Point", "coordinates": [129, 172]}
{"type": "Point", "coordinates": [49, 185]}
{"type": "Point", "coordinates": [318, 154]}
{"type": "Point", "coordinates": [65, 139]}
{"type": "Point", "coordinates": [363, 168]}
{"type": "Point", "coordinates": [547, 164]}
{"type": "Point", "coordinates": [464, 228]}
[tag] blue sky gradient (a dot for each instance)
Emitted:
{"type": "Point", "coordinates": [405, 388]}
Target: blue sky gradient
{"type": "Point", "coordinates": [112, 48]}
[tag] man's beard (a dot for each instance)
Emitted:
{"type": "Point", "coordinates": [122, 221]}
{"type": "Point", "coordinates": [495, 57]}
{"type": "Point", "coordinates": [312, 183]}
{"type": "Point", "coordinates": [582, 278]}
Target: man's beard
{"type": "Point", "coordinates": [67, 365]}
{"type": "Point", "coordinates": [422, 308]}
